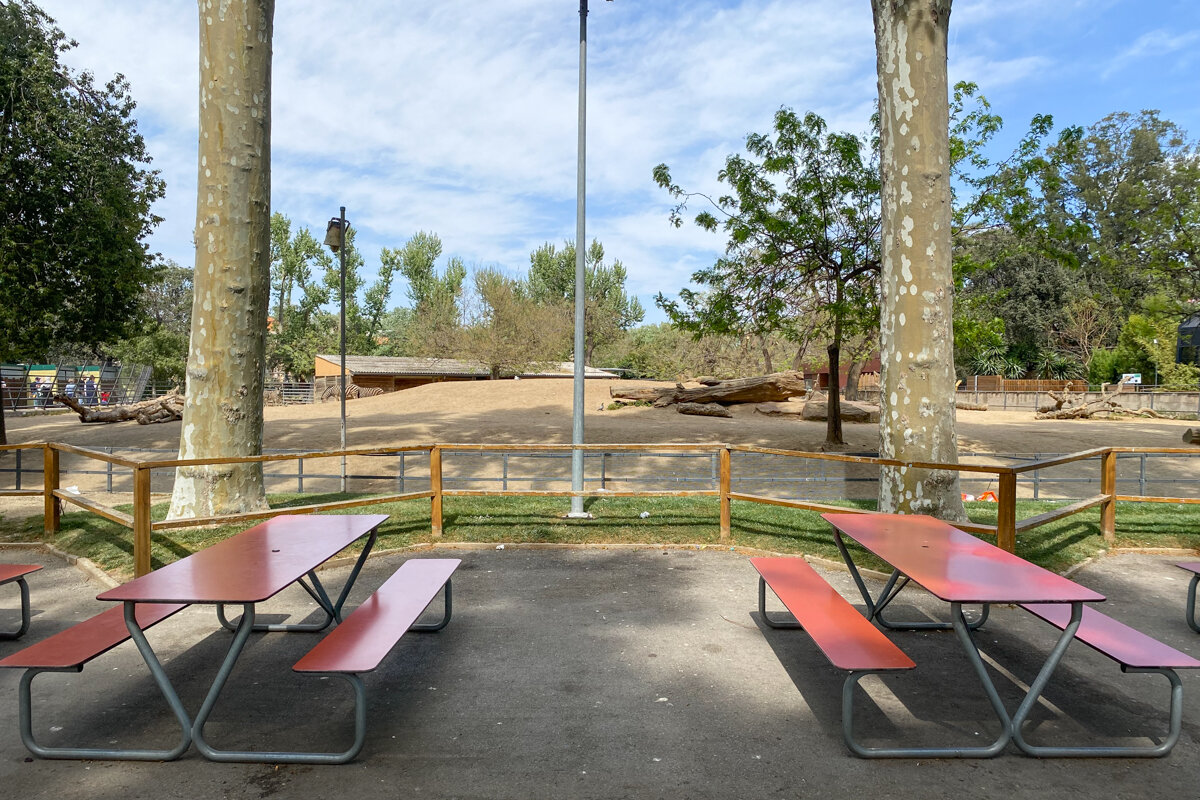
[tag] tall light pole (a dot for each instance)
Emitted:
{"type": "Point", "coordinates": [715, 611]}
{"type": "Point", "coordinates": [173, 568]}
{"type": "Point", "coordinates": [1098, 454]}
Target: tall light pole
{"type": "Point", "coordinates": [335, 238]}
{"type": "Point", "coordinates": [580, 275]}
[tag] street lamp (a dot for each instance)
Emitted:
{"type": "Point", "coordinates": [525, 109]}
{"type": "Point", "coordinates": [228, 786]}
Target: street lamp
{"type": "Point", "coordinates": [335, 239]}
{"type": "Point", "coordinates": [580, 300]}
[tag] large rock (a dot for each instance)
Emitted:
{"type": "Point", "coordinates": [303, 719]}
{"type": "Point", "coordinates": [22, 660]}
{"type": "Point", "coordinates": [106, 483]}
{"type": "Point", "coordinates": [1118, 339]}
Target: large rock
{"type": "Point", "coordinates": [851, 411]}
{"type": "Point", "coordinates": [703, 409]}
{"type": "Point", "coordinates": [781, 409]}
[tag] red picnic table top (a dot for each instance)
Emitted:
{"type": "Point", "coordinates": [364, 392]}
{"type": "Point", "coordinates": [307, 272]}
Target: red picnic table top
{"type": "Point", "coordinates": [251, 566]}
{"type": "Point", "coordinates": [956, 566]}
{"type": "Point", "coordinates": [10, 572]}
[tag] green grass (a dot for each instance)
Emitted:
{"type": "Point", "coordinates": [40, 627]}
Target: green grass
{"type": "Point", "coordinates": [1057, 545]}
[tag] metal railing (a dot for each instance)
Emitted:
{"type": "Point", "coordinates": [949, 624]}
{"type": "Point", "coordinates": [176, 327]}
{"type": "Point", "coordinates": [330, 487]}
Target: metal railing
{"type": "Point", "coordinates": [444, 478]}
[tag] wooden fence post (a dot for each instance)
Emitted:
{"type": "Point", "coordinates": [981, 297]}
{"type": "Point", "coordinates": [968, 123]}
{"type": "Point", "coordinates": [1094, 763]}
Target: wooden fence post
{"type": "Point", "coordinates": [1108, 486]}
{"type": "Point", "coordinates": [52, 506]}
{"type": "Point", "coordinates": [1006, 513]}
{"type": "Point", "coordinates": [726, 513]}
{"type": "Point", "coordinates": [435, 484]}
{"type": "Point", "coordinates": [141, 521]}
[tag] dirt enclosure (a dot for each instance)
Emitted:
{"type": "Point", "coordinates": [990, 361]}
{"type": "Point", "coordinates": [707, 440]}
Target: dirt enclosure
{"type": "Point", "coordinates": [539, 411]}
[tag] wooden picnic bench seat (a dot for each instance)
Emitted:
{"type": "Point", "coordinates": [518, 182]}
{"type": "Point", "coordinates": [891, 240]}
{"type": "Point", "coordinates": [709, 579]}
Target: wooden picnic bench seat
{"type": "Point", "coordinates": [847, 638]}
{"type": "Point", "coordinates": [68, 651]}
{"type": "Point", "coordinates": [17, 572]}
{"type": "Point", "coordinates": [359, 644]}
{"type": "Point", "coordinates": [1194, 568]}
{"type": "Point", "coordinates": [1135, 652]}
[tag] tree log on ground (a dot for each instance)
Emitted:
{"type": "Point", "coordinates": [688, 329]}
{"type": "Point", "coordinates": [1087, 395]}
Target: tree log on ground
{"type": "Point", "coordinates": [167, 408]}
{"type": "Point", "coordinates": [703, 409]}
{"type": "Point", "coordinates": [776, 387]}
{"type": "Point", "coordinates": [1070, 405]}
{"type": "Point", "coordinates": [962, 405]}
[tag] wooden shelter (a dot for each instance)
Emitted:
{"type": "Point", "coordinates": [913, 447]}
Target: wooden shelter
{"type": "Point", "coordinates": [392, 373]}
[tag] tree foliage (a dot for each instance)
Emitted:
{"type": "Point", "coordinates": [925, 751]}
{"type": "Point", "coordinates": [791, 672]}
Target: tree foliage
{"type": "Point", "coordinates": [609, 309]}
{"type": "Point", "coordinates": [75, 196]}
{"type": "Point", "coordinates": [802, 221]}
{"type": "Point", "coordinates": [1075, 235]}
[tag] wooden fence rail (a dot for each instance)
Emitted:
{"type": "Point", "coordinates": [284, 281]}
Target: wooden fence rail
{"type": "Point", "coordinates": [1005, 530]}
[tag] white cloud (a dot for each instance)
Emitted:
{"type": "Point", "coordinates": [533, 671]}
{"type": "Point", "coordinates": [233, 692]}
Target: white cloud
{"type": "Point", "coordinates": [459, 117]}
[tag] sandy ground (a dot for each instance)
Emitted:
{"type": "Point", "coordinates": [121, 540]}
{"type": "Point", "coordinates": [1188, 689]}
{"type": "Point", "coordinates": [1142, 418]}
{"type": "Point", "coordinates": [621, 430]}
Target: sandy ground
{"type": "Point", "coordinates": [539, 411]}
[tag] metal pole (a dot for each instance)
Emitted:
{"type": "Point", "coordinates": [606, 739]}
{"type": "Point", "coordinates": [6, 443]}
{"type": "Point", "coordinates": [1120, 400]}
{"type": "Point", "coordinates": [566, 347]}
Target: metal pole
{"type": "Point", "coordinates": [580, 255]}
{"type": "Point", "coordinates": [342, 335]}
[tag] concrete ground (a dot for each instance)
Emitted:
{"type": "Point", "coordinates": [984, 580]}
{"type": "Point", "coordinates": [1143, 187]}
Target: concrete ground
{"type": "Point", "coordinates": [602, 673]}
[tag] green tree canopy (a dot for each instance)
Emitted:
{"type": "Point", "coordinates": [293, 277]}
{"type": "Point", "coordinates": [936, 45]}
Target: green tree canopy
{"type": "Point", "coordinates": [75, 196]}
{"type": "Point", "coordinates": [609, 309]}
{"type": "Point", "coordinates": [802, 220]}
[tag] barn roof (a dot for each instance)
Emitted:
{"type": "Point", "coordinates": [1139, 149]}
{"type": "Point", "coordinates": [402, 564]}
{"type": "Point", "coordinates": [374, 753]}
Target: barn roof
{"type": "Point", "coordinates": [398, 365]}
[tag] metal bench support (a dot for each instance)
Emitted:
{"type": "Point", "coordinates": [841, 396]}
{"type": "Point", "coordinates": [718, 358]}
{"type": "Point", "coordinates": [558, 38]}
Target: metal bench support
{"type": "Point", "coordinates": [19, 632]}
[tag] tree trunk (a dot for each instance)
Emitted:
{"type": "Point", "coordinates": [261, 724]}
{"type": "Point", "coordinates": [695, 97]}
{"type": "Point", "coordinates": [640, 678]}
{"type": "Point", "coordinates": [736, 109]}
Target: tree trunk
{"type": "Point", "coordinates": [223, 415]}
{"type": "Point", "coordinates": [852, 377]}
{"type": "Point", "coordinates": [916, 417]}
{"type": "Point", "coordinates": [765, 345]}
{"type": "Point", "coordinates": [833, 412]}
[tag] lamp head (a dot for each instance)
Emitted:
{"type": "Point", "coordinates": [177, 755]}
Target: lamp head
{"type": "Point", "coordinates": [335, 237]}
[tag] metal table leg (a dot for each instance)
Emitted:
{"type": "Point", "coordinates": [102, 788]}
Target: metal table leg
{"type": "Point", "coordinates": [895, 583]}
{"type": "Point", "coordinates": [164, 686]}
{"type": "Point", "coordinates": [962, 628]}
{"type": "Point", "coordinates": [244, 628]}
{"type": "Point", "coordinates": [1191, 603]}
{"type": "Point", "coordinates": [1175, 723]}
{"type": "Point", "coordinates": [19, 632]}
{"type": "Point", "coordinates": [332, 610]}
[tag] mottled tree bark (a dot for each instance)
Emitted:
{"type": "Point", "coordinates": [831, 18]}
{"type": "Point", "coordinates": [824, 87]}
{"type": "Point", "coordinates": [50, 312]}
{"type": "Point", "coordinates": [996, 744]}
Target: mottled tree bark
{"type": "Point", "coordinates": [223, 415]}
{"type": "Point", "coordinates": [916, 417]}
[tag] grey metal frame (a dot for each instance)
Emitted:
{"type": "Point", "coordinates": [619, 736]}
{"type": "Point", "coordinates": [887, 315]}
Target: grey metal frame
{"type": "Point", "coordinates": [164, 686]}
{"type": "Point", "coordinates": [19, 632]}
{"type": "Point", "coordinates": [333, 611]}
{"type": "Point", "coordinates": [890, 589]}
{"type": "Point", "coordinates": [1191, 603]}
{"type": "Point", "coordinates": [244, 628]}
{"type": "Point", "coordinates": [1010, 724]}
{"type": "Point", "coordinates": [1174, 726]}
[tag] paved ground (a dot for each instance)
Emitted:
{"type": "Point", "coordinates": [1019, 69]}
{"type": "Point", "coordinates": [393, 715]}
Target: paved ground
{"type": "Point", "coordinates": [601, 674]}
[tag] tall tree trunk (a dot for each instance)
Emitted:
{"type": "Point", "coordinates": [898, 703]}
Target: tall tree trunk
{"type": "Point", "coordinates": [833, 403]}
{"type": "Point", "coordinates": [916, 417]}
{"type": "Point", "coordinates": [853, 373]}
{"type": "Point", "coordinates": [223, 415]}
{"type": "Point", "coordinates": [765, 346]}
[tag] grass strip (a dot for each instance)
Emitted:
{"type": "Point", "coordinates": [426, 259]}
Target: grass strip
{"type": "Point", "coordinates": [1057, 545]}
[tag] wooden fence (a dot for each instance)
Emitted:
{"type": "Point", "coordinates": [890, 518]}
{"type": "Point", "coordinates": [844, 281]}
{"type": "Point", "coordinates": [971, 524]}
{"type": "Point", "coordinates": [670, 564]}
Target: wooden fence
{"type": "Point", "coordinates": [1005, 530]}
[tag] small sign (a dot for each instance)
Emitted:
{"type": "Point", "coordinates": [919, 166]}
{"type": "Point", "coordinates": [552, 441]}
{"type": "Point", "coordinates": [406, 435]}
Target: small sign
{"type": "Point", "coordinates": [1133, 378]}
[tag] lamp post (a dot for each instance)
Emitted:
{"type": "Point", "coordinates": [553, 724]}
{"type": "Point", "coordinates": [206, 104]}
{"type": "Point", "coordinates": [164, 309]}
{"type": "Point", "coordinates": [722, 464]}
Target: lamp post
{"type": "Point", "coordinates": [580, 273]}
{"type": "Point", "coordinates": [335, 238]}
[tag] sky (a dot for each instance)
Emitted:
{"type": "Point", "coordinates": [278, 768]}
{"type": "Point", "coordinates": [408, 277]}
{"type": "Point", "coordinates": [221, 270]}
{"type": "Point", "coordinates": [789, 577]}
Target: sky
{"type": "Point", "coordinates": [460, 118]}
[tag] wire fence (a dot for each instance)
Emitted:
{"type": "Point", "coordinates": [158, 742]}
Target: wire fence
{"type": "Point", "coordinates": [770, 475]}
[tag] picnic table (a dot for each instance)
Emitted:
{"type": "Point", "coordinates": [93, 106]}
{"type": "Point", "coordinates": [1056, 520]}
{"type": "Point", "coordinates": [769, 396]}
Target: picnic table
{"type": "Point", "coordinates": [961, 570]}
{"type": "Point", "coordinates": [247, 569]}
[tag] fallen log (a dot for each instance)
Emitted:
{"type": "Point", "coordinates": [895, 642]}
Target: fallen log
{"type": "Point", "coordinates": [166, 408]}
{"type": "Point", "coordinates": [703, 409]}
{"type": "Point", "coordinates": [776, 387]}
{"type": "Point", "coordinates": [1068, 405]}
{"type": "Point", "coordinates": [636, 395]}
{"type": "Point", "coordinates": [962, 405]}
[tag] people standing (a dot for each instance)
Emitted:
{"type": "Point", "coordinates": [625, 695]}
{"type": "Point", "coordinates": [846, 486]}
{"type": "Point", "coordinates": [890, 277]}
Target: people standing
{"type": "Point", "coordinates": [71, 388]}
{"type": "Point", "coordinates": [89, 391]}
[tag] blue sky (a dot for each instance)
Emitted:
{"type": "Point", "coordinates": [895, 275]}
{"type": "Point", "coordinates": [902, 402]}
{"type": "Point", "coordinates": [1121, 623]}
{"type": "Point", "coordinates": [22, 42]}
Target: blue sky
{"type": "Point", "coordinates": [459, 117]}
